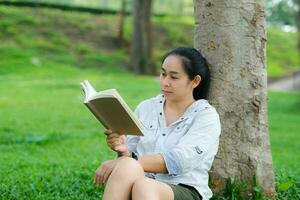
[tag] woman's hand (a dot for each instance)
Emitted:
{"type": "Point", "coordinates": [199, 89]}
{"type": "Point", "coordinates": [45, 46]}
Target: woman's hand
{"type": "Point", "coordinates": [103, 172]}
{"type": "Point", "coordinates": [117, 142]}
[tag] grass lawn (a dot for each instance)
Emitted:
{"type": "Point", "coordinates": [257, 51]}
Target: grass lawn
{"type": "Point", "coordinates": [284, 121]}
{"type": "Point", "coordinates": [284, 130]}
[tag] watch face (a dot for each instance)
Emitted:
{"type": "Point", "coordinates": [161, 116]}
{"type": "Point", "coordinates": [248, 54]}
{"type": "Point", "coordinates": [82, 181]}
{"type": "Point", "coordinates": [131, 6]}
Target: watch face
{"type": "Point", "coordinates": [134, 156]}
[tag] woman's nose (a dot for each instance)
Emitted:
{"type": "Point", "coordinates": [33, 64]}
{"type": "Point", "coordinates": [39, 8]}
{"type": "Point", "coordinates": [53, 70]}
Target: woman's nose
{"type": "Point", "coordinates": [166, 82]}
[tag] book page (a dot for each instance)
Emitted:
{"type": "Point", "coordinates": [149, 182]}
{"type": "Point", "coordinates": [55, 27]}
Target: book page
{"type": "Point", "coordinates": [88, 90]}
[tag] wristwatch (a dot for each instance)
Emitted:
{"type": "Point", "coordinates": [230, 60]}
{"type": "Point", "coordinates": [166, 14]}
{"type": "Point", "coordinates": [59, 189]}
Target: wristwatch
{"type": "Point", "coordinates": [134, 156]}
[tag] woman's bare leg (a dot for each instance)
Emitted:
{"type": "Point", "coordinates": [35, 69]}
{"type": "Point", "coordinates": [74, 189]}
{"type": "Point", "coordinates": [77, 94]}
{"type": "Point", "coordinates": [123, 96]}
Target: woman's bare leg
{"type": "Point", "coordinates": [148, 189]}
{"type": "Point", "coordinates": [121, 180]}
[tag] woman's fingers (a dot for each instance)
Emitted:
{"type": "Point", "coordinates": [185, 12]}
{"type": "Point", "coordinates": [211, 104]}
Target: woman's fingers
{"type": "Point", "coordinates": [100, 179]}
{"type": "Point", "coordinates": [106, 175]}
{"type": "Point", "coordinates": [108, 132]}
{"type": "Point", "coordinates": [121, 148]}
{"type": "Point", "coordinates": [112, 140]}
{"type": "Point", "coordinates": [114, 143]}
{"type": "Point", "coordinates": [99, 176]}
{"type": "Point", "coordinates": [123, 138]}
{"type": "Point", "coordinates": [113, 135]}
{"type": "Point", "coordinates": [104, 171]}
{"type": "Point", "coordinates": [97, 180]}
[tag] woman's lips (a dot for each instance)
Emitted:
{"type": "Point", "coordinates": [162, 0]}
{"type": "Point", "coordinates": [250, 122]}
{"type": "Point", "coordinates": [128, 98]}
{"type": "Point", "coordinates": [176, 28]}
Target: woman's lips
{"type": "Point", "coordinates": [166, 92]}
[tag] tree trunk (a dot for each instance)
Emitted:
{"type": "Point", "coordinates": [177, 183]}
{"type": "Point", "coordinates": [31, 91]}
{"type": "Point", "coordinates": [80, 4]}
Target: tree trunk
{"type": "Point", "coordinates": [232, 37]}
{"type": "Point", "coordinates": [121, 21]}
{"type": "Point", "coordinates": [148, 38]}
{"type": "Point", "coordinates": [142, 38]}
{"type": "Point", "coordinates": [138, 53]}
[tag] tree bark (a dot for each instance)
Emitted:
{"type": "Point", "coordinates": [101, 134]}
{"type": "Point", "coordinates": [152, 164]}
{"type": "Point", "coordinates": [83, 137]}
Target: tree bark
{"type": "Point", "coordinates": [232, 36]}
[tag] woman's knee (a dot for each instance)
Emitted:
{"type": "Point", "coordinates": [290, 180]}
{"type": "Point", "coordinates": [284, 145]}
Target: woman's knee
{"type": "Point", "coordinates": [129, 167]}
{"type": "Point", "coordinates": [143, 188]}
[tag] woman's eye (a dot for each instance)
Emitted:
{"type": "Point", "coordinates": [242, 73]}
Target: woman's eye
{"type": "Point", "coordinates": [164, 75]}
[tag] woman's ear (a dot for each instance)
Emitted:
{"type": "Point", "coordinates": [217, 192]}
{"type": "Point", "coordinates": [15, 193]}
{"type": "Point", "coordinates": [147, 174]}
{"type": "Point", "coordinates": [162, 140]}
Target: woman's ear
{"type": "Point", "coordinates": [196, 81]}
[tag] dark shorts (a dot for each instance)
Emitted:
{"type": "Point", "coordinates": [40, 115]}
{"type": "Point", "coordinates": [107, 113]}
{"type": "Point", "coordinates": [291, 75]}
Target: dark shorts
{"type": "Point", "coordinates": [185, 192]}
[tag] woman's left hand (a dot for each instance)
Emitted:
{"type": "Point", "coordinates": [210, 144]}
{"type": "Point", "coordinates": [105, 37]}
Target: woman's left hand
{"type": "Point", "coordinates": [104, 170]}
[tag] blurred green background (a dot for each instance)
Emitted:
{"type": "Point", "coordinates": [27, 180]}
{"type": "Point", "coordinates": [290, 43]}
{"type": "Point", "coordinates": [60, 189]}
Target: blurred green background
{"type": "Point", "coordinates": [50, 145]}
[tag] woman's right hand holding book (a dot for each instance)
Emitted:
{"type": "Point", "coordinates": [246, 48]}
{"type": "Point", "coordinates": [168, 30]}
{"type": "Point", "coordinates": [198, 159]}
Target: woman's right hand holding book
{"type": "Point", "coordinates": [117, 142]}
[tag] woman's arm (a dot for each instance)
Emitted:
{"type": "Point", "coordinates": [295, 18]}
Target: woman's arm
{"type": "Point", "coordinates": [153, 163]}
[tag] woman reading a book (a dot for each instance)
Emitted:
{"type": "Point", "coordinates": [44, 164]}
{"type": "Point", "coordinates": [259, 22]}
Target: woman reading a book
{"type": "Point", "coordinates": [181, 138]}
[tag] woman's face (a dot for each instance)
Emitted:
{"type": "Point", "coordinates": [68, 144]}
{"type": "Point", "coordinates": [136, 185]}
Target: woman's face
{"type": "Point", "coordinates": [174, 82]}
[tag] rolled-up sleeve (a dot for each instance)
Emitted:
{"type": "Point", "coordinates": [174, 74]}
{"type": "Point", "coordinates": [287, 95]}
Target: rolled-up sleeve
{"type": "Point", "coordinates": [197, 147]}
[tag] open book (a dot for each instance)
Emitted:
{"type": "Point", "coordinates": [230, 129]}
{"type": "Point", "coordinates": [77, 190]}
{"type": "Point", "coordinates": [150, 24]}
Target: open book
{"type": "Point", "coordinates": [111, 110]}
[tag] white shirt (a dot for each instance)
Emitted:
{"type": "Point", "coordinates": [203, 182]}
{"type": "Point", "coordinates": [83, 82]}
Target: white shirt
{"type": "Point", "coordinates": [188, 145]}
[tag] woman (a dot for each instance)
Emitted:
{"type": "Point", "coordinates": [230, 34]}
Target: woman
{"type": "Point", "coordinates": [172, 159]}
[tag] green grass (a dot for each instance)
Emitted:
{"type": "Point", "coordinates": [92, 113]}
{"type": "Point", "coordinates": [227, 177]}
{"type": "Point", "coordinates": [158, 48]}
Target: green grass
{"type": "Point", "coordinates": [284, 119]}
{"type": "Point", "coordinates": [284, 129]}
{"type": "Point", "coordinates": [50, 144]}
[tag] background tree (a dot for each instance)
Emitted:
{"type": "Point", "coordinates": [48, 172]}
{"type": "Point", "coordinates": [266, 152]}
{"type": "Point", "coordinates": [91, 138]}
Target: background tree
{"type": "Point", "coordinates": [297, 17]}
{"type": "Point", "coordinates": [121, 22]}
{"type": "Point", "coordinates": [148, 38]}
{"type": "Point", "coordinates": [281, 12]}
{"type": "Point", "coordinates": [141, 41]}
{"type": "Point", "coordinates": [232, 36]}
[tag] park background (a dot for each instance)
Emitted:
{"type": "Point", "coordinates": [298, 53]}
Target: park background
{"type": "Point", "coordinates": [50, 144]}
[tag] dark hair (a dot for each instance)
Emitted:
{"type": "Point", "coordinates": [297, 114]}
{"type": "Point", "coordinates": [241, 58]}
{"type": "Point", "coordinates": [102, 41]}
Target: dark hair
{"type": "Point", "coordinates": [194, 64]}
